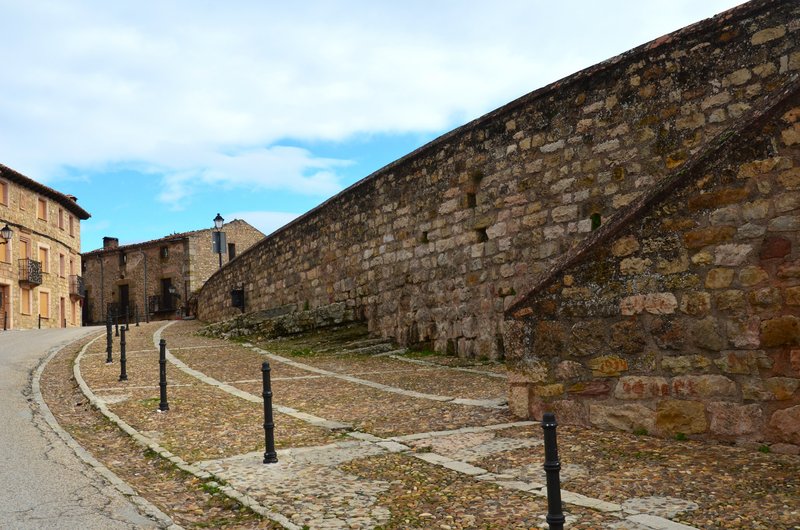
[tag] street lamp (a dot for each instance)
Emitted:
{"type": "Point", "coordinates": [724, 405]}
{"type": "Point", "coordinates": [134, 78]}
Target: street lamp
{"type": "Point", "coordinates": [6, 232]}
{"type": "Point", "coordinates": [218, 238]}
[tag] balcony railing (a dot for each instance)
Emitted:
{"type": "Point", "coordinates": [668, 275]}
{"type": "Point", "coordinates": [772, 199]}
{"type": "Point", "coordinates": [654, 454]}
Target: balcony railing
{"type": "Point", "coordinates": [77, 289]}
{"type": "Point", "coordinates": [160, 304]}
{"type": "Point", "coordinates": [30, 272]}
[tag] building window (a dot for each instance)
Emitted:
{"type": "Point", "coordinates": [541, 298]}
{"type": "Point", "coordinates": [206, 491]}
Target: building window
{"type": "Point", "coordinates": [5, 251]}
{"type": "Point", "coordinates": [24, 248]}
{"type": "Point", "coordinates": [62, 268]}
{"type": "Point", "coordinates": [4, 192]}
{"type": "Point", "coordinates": [164, 252]}
{"type": "Point", "coordinates": [231, 251]}
{"type": "Point", "coordinates": [61, 218]}
{"type": "Point", "coordinates": [44, 257]}
{"type": "Point", "coordinates": [41, 209]}
{"type": "Point", "coordinates": [71, 226]}
{"type": "Point", "coordinates": [123, 259]}
{"type": "Point", "coordinates": [44, 304]}
{"type": "Point", "coordinates": [75, 313]}
{"type": "Point", "coordinates": [25, 300]}
{"type": "Point", "coordinates": [71, 267]}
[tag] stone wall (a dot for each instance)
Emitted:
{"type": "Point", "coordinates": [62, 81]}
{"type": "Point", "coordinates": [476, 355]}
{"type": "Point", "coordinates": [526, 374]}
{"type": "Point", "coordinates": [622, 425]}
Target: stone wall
{"type": "Point", "coordinates": [685, 318]}
{"type": "Point", "coordinates": [186, 259]}
{"type": "Point", "coordinates": [58, 233]}
{"type": "Point", "coordinates": [434, 247]}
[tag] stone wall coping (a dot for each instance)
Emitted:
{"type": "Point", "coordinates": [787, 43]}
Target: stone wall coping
{"type": "Point", "coordinates": [760, 112]}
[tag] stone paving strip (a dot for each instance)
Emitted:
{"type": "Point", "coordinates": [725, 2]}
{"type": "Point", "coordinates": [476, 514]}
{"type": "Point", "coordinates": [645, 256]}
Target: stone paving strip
{"type": "Point", "coordinates": [486, 372]}
{"type": "Point", "coordinates": [480, 441]}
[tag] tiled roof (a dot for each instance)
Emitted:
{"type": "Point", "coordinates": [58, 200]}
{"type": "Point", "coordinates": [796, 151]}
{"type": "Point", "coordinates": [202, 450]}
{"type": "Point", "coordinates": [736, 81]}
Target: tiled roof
{"type": "Point", "coordinates": [15, 176]}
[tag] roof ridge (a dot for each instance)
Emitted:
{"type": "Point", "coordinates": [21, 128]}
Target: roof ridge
{"type": "Point", "coordinates": [675, 178]}
{"type": "Point", "coordinates": [62, 198]}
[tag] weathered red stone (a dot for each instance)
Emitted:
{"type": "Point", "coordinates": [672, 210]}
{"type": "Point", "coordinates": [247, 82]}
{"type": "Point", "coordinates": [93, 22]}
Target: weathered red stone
{"type": "Point", "coordinates": [775, 247]}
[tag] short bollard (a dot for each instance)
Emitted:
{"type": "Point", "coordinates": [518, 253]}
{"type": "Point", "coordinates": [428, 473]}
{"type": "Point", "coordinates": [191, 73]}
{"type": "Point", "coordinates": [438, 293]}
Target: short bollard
{"type": "Point", "coordinates": [109, 340]}
{"type": "Point", "coordinates": [127, 318]}
{"type": "Point", "coordinates": [552, 466]}
{"type": "Point", "coordinates": [162, 375]}
{"type": "Point", "coordinates": [270, 456]}
{"type": "Point", "coordinates": [123, 375]}
{"type": "Point", "coordinates": [40, 321]}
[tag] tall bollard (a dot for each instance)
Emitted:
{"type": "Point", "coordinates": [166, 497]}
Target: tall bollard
{"type": "Point", "coordinates": [552, 466]}
{"type": "Point", "coordinates": [109, 340]}
{"type": "Point", "coordinates": [270, 456]}
{"type": "Point", "coordinates": [127, 318]}
{"type": "Point", "coordinates": [123, 375]}
{"type": "Point", "coordinates": [5, 321]}
{"type": "Point", "coordinates": [40, 321]}
{"type": "Point", "coordinates": [162, 375]}
{"type": "Point", "coordinates": [116, 325]}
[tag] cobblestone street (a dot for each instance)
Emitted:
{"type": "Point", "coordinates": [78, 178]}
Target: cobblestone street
{"type": "Point", "coordinates": [373, 437]}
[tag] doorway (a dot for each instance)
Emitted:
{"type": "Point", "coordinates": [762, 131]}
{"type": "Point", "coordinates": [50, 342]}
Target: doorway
{"type": "Point", "coordinates": [124, 300]}
{"type": "Point", "coordinates": [167, 294]}
{"type": "Point", "coordinates": [5, 307]}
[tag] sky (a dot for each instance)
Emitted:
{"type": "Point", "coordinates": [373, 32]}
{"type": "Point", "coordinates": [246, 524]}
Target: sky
{"type": "Point", "coordinates": [158, 115]}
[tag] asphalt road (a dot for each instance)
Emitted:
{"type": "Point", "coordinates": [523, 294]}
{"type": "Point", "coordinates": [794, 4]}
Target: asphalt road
{"type": "Point", "coordinates": [43, 484]}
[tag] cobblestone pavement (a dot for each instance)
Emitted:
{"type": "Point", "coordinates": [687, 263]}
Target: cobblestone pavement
{"type": "Point", "coordinates": [404, 440]}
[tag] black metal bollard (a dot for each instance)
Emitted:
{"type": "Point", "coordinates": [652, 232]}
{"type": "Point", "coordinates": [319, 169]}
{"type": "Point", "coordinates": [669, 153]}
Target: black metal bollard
{"type": "Point", "coordinates": [123, 375]}
{"type": "Point", "coordinates": [137, 317]}
{"type": "Point", "coordinates": [127, 318]}
{"type": "Point", "coordinates": [40, 321]}
{"type": "Point", "coordinates": [162, 374]}
{"type": "Point", "coordinates": [270, 456]}
{"type": "Point", "coordinates": [5, 321]}
{"type": "Point", "coordinates": [116, 325]}
{"type": "Point", "coordinates": [552, 466]}
{"type": "Point", "coordinates": [109, 340]}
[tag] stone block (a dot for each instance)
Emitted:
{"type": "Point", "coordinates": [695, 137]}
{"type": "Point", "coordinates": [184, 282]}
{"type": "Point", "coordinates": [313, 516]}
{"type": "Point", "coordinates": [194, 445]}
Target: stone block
{"type": "Point", "coordinates": [624, 246]}
{"type": "Point", "coordinates": [590, 388]}
{"type": "Point", "coordinates": [792, 295]}
{"type": "Point", "coordinates": [784, 223]}
{"type": "Point", "coordinates": [696, 303]}
{"type": "Point", "coordinates": [630, 266]}
{"type": "Point", "coordinates": [708, 236]}
{"type": "Point", "coordinates": [687, 417]}
{"type": "Point", "coordinates": [717, 198]}
{"type": "Point", "coordinates": [719, 278]}
{"type": "Point", "coordinates": [546, 391]}
{"type": "Point", "coordinates": [703, 386]}
{"type": "Point", "coordinates": [567, 370]}
{"type": "Point", "coordinates": [641, 387]}
{"type": "Point", "coordinates": [518, 397]}
{"type": "Point", "coordinates": [766, 297]}
{"type": "Point", "coordinates": [780, 331]}
{"type": "Point", "coordinates": [766, 35]}
{"type": "Point", "coordinates": [786, 425]}
{"type": "Point", "coordinates": [625, 417]}
{"type": "Point", "coordinates": [784, 449]}
{"type": "Point", "coordinates": [706, 334]}
{"type": "Point", "coordinates": [789, 270]}
{"type": "Point", "coordinates": [731, 255]}
{"type": "Point", "coordinates": [627, 338]}
{"type": "Point", "coordinates": [607, 365]}
{"type": "Point", "coordinates": [752, 275]}
{"type": "Point", "coordinates": [782, 388]}
{"type": "Point", "coordinates": [732, 419]}
{"type": "Point", "coordinates": [729, 300]}
{"type": "Point", "coordinates": [569, 412]}
{"type": "Point", "coordinates": [790, 179]}
{"type": "Point", "coordinates": [589, 337]}
{"type": "Point", "coordinates": [683, 364]}
{"type": "Point", "coordinates": [742, 361]}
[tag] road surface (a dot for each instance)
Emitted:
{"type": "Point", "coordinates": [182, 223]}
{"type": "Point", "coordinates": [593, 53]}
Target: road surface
{"type": "Point", "coordinates": [44, 484]}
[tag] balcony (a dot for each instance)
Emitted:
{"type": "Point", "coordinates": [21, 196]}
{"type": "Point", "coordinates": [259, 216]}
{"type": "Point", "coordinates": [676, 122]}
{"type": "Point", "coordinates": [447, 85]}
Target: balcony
{"type": "Point", "coordinates": [163, 304]}
{"type": "Point", "coordinates": [30, 272]}
{"type": "Point", "coordinates": [77, 289]}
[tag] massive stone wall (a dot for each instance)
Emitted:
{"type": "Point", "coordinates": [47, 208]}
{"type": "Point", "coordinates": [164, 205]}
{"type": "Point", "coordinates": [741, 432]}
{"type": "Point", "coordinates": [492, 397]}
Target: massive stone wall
{"type": "Point", "coordinates": [684, 319]}
{"type": "Point", "coordinates": [434, 247]}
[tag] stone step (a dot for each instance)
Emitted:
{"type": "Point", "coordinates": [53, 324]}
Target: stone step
{"type": "Point", "coordinates": [368, 350]}
{"type": "Point", "coordinates": [349, 345]}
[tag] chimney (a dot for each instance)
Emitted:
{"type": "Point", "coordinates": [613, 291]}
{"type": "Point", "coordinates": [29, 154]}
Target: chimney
{"type": "Point", "coordinates": [72, 198]}
{"type": "Point", "coordinates": [110, 242]}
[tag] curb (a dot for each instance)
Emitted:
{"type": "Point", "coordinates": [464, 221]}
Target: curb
{"type": "Point", "coordinates": [143, 505]}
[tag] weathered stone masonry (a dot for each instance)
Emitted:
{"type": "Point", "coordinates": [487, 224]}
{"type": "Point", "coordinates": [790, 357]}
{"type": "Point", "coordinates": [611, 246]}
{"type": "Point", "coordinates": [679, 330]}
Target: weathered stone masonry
{"type": "Point", "coordinates": [683, 319]}
{"type": "Point", "coordinates": [434, 247]}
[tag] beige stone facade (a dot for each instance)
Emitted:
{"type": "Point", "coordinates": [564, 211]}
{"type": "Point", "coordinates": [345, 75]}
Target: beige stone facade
{"type": "Point", "coordinates": [40, 266]}
{"type": "Point", "coordinates": [156, 279]}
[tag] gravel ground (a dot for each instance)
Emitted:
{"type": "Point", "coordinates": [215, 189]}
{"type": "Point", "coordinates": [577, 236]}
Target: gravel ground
{"type": "Point", "coordinates": [702, 485]}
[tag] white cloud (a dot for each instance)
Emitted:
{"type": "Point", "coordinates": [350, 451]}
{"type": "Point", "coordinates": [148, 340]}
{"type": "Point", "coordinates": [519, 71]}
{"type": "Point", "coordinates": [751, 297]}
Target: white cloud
{"type": "Point", "coordinates": [173, 85]}
{"type": "Point", "coordinates": [267, 222]}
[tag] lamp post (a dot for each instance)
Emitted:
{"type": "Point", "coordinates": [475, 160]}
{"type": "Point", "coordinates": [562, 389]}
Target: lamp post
{"type": "Point", "coordinates": [6, 234]}
{"type": "Point", "coordinates": [219, 237]}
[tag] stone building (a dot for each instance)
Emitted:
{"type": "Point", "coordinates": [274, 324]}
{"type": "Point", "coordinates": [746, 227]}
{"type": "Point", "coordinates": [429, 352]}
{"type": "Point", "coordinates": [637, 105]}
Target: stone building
{"type": "Point", "coordinates": [156, 279]}
{"type": "Point", "coordinates": [464, 244]}
{"type": "Point", "coordinates": [40, 282]}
